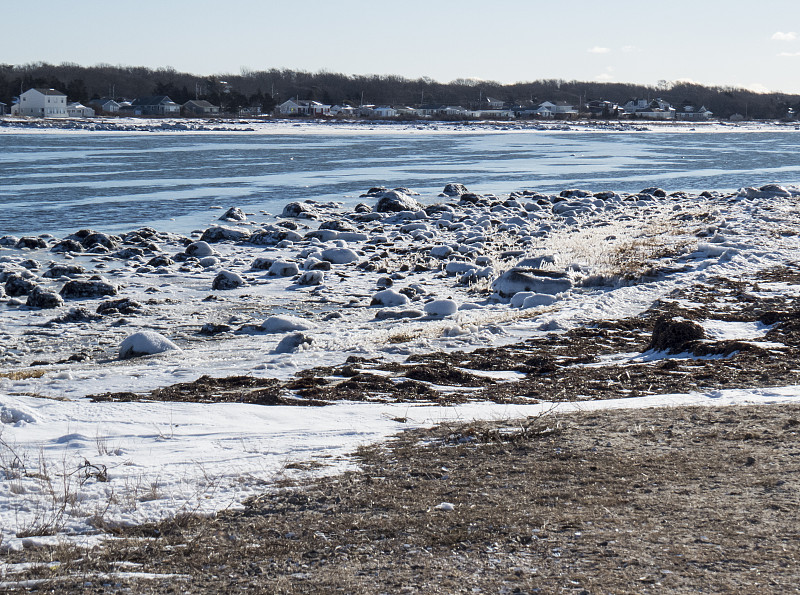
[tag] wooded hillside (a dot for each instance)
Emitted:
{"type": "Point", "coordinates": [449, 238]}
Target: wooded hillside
{"type": "Point", "coordinates": [268, 87]}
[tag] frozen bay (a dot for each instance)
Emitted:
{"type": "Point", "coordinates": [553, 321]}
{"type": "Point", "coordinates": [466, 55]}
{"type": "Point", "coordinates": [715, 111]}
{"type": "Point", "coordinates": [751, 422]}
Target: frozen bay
{"type": "Point", "coordinates": [59, 181]}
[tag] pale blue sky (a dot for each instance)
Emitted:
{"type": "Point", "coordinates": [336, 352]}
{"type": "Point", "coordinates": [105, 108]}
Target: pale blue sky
{"type": "Point", "coordinates": [739, 43]}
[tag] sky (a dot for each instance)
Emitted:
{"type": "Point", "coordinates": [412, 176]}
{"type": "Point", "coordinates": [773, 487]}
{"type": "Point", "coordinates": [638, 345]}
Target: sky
{"type": "Point", "coordinates": [736, 43]}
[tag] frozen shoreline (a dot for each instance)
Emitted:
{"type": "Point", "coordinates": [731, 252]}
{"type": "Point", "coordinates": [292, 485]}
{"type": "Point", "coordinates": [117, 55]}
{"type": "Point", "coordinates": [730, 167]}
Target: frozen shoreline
{"type": "Point", "coordinates": [377, 285]}
{"type": "Point", "coordinates": [123, 125]}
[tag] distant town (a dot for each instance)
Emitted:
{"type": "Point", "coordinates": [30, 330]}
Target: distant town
{"type": "Point", "coordinates": [53, 103]}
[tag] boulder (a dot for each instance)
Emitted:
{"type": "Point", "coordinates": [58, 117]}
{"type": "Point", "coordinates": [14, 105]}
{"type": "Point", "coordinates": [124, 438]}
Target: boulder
{"type": "Point", "coordinates": [63, 270]}
{"type": "Point", "coordinates": [233, 214]}
{"type": "Point", "coordinates": [124, 307]}
{"type": "Point", "coordinates": [299, 210]}
{"type": "Point", "coordinates": [674, 335]}
{"type": "Point", "coordinates": [67, 246]}
{"type": "Point", "coordinates": [222, 234]}
{"type": "Point", "coordinates": [441, 308]}
{"type": "Point", "coordinates": [453, 189]}
{"type": "Point", "coordinates": [17, 285]}
{"type": "Point", "coordinates": [339, 255]}
{"type": "Point", "coordinates": [87, 289]}
{"type": "Point", "coordinates": [281, 268]}
{"type": "Point", "coordinates": [227, 280]}
{"type": "Point", "coordinates": [394, 202]}
{"type": "Point", "coordinates": [31, 243]}
{"type": "Point", "coordinates": [41, 298]}
{"type": "Point", "coordinates": [311, 278]}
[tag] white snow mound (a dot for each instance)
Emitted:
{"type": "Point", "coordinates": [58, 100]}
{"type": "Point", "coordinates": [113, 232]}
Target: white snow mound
{"type": "Point", "coordinates": [145, 343]}
{"type": "Point", "coordinates": [286, 324]}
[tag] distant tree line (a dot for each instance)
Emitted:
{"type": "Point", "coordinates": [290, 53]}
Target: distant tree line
{"type": "Point", "coordinates": [267, 88]}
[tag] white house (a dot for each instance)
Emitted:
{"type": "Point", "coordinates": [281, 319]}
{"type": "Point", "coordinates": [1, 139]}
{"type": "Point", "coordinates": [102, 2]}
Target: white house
{"type": "Point", "coordinates": [498, 114]}
{"type": "Point", "coordinates": [690, 112]}
{"type": "Point", "coordinates": [43, 103]}
{"type": "Point", "coordinates": [303, 107]}
{"type": "Point", "coordinates": [384, 111]}
{"type": "Point", "coordinates": [343, 110]}
{"type": "Point", "coordinates": [78, 110]}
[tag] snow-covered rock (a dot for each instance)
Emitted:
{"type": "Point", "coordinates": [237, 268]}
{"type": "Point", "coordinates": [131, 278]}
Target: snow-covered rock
{"type": "Point", "coordinates": [281, 268]}
{"type": "Point", "coordinates": [285, 324]}
{"type": "Point", "coordinates": [454, 189]}
{"type": "Point", "coordinates": [311, 278]}
{"type": "Point", "coordinates": [145, 343]}
{"type": "Point", "coordinates": [292, 343]}
{"type": "Point", "coordinates": [534, 280]}
{"type": "Point", "coordinates": [441, 307]}
{"type": "Point", "coordinates": [226, 280]}
{"type": "Point", "coordinates": [388, 298]}
{"type": "Point", "coordinates": [199, 249]}
{"type": "Point", "coordinates": [339, 255]}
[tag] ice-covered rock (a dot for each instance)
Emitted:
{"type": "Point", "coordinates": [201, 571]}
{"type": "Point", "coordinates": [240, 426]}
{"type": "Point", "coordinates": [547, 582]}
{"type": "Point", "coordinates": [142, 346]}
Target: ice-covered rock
{"type": "Point", "coordinates": [441, 307]}
{"type": "Point", "coordinates": [8, 241]}
{"type": "Point", "coordinates": [292, 343]}
{"type": "Point", "coordinates": [388, 298]}
{"type": "Point", "coordinates": [145, 343]}
{"type": "Point", "coordinates": [534, 280]}
{"type": "Point", "coordinates": [41, 298]}
{"type": "Point", "coordinates": [208, 262]}
{"type": "Point", "coordinates": [262, 263]}
{"type": "Point", "coordinates": [286, 324]}
{"type": "Point", "coordinates": [226, 280]}
{"type": "Point", "coordinates": [124, 307]}
{"type": "Point", "coordinates": [95, 239]}
{"type": "Point", "coordinates": [441, 251]}
{"type": "Point", "coordinates": [224, 234]}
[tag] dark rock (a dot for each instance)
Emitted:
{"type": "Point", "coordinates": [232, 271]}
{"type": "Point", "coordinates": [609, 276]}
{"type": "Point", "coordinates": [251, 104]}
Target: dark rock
{"type": "Point", "coordinates": [337, 225]}
{"type": "Point", "coordinates": [160, 261]}
{"type": "Point", "coordinates": [63, 270]}
{"type": "Point", "coordinates": [271, 237]}
{"type": "Point", "coordinates": [322, 265]}
{"type": "Point", "coordinates": [234, 214]}
{"type": "Point", "coordinates": [674, 336]}
{"type": "Point", "coordinates": [124, 306]}
{"type": "Point", "coordinates": [362, 208]}
{"type": "Point", "coordinates": [394, 202]}
{"type": "Point", "coordinates": [210, 328]}
{"type": "Point", "coordinates": [93, 240]}
{"type": "Point", "coordinates": [454, 189]}
{"type": "Point", "coordinates": [299, 210]}
{"type": "Point", "coordinates": [16, 285]}
{"type": "Point", "coordinates": [262, 264]}
{"type": "Point", "coordinates": [31, 243]}
{"type": "Point", "coordinates": [87, 289]}
{"type": "Point", "coordinates": [67, 246]}
{"type": "Point", "coordinates": [8, 241]}
{"type": "Point", "coordinates": [291, 343]}
{"type": "Point", "coordinates": [574, 193]}
{"type": "Point", "coordinates": [653, 191]}
{"type": "Point", "coordinates": [46, 300]}
{"type": "Point", "coordinates": [220, 234]}
{"type": "Point", "coordinates": [127, 253]}
{"type": "Point", "coordinates": [375, 190]}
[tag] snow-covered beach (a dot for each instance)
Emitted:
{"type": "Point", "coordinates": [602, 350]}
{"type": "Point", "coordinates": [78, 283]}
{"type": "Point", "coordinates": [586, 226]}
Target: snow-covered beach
{"type": "Point", "coordinates": [321, 287]}
{"type": "Point", "coordinates": [334, 302]}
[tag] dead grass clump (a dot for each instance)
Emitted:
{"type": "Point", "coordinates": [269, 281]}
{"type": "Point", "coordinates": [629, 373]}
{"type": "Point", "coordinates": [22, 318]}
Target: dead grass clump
{"type": "Point", "coordinates": [23, 374]}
